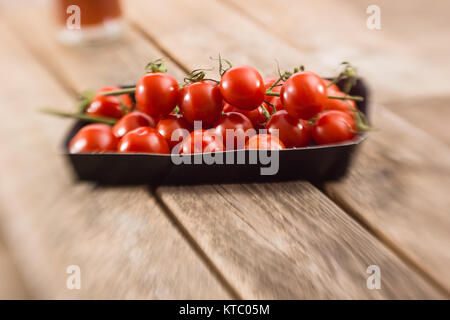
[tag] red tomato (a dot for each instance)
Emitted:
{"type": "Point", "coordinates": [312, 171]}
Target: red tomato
{"type": "Point", "coordinates": [108, 106]}
{"type": "Point", "coordinates": [125, 98]}
{"type": "Point", "coordinates": [265, 142]}
{"type": "Point", "coordinates": [131, 121]}
{"type": "Point", "coordinates": [238, 127]}
{"type": "Point", "coordinates": [293, 132]}
{"type": "Point", "coordinates": [243, 87]}
{"type": "Point", "coordinates": [304, 95]}
{"type": "Point", "coordinates": [156, 94]}
{"type": "Point", "coordinates": [167, 125]}
{"type": "Point", "coordinates": [255, 116]}
{"type": "Point", "coordinates": [105, 106]}
{"type": "Point", "coordinates": [333, 126]}
{"type": "Point", "coordinates": [200, 141]}
{"type": "Point", "coordinates": [143, 140]}
{"type": "Point", "coordinates": [201, 101]}
{"type": "Point", "coordinates": [93, 138]}
{"type": "Point", "coordinates": [348, 106]}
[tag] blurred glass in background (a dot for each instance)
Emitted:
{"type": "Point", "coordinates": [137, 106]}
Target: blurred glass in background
{"type": "Point", "coordinates": [88, 21]}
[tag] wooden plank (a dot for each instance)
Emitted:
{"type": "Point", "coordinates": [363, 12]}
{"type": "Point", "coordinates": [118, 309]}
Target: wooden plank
{"type": "Point", "coordinates": [327, 32]}
{"type": "Point", "coordinates": [427, 113]}
{"type": "Point", "coordinates": [399, 186]}
{"type": "Point", "coordinates": [287, 241]}
{"type": "Point", "coordinates": [84, 67]}
{"type": "Point", "coordinates": [121, 238]}
{"type": "Point", "coordinates": [267, 241]}
{"type": "Point", "coordinates": [417, 27]}
{"type": "Point", "coordinates": [11, 284]}
{"type": "Point", "coordinates": [400, 169]}
{"type": "Point", "coordinates": [408, 41]}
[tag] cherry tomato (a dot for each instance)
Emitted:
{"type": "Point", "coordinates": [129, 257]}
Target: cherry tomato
{"type": "Point", "coordinates": [109, 106]}
{"type": "Point", "coordinates": [293, 132]}
{"type": "Point", "coordinates": [348, 106]}
{"type": "Point", "coordinates": [105, 106]}
{"type": "Point", "coordinates": [304, 95]}
{"type": "Point", "coordinates": [201, 101]}
{"type": "Point", "coordinates": [156, 94]}
{"type": "Point", "coordinates": [131, 121]}
{"type": "Point", "coordinates": [200, 141]}
{"type": "Point", "coordinates": [124, 98]}
{"type": "Point", "coordinates": [143, 140]}
{"type": "Point", "coordinates": [333, 126]}
{"type": "Point", "coordinates": [256, 116]}
{"type": "Point", "coordinates": [265, 142]}
{"type": "Point", "coordinates": [235, 129]}
{"type": "Point", "coordinates": [93, 138]}
{"type": "Point", "coordinates": [243, 87]}
{"type": "Point", "coordinates": [167, 125]}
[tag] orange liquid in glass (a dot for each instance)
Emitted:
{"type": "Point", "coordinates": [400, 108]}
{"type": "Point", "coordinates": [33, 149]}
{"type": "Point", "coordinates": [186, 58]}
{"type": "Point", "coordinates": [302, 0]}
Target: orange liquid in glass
{"type": "Point", "coordinates": [93, 12]}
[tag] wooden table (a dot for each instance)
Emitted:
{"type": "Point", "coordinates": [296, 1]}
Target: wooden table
{"type": "Point", "coordinates": [289, 240]}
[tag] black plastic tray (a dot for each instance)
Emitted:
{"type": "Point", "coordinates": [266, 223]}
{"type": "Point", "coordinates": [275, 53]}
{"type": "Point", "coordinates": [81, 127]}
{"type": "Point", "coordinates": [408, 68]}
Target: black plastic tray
{"type": "Point", "coordinates": [314, 163]}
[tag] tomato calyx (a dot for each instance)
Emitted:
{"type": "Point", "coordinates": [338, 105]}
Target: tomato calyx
{"type": "Point", "coordinates": [348, 74]}
{"type": "Point", "coordinates": [361, 121]}
{"type": "Point", "coordinates": [158, 65]}
{"type": "Point", "coordinates": [176, 110]}
{"type": "Point", "coordinates": [197, 75]}
{"type": "Point", "coordinates": [223, 69]}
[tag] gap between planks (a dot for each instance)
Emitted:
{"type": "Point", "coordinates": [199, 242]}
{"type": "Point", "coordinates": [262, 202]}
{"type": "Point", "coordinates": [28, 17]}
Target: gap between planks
{"type": "Point", "coordinates": [335, 196]}
{"type": "Point", "coordinates": [399, 252]}
{"type": "Point", "coordinates": [362, 222]}
{"type": "Point", "coordinates": [167, 53]}
{"type": "Point", "coordinates": [195, 246]}
{"type": "Point", "coordinates": [67, 87]}
{"type": "Point", "coordinates": [341, 203]}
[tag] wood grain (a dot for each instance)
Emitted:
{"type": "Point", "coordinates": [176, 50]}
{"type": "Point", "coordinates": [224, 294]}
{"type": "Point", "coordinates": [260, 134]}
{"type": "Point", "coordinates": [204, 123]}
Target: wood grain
{"type": "Point", "coordinates": [248, 281]}
{"type": "Point", "coordinates": [399, 187]}
{"type": "Point", "coordinates": [81, 68]}
{"type": "Point", "coordinates": [431, 114]}
{"type": "Point", "coordinates": [397, 59]}
{"type": "Point", "coordinates": [11, 282]}
{"type": "Point", "coordinates": [399, 184]}
{"type": "Point", "coordinates": [122, 240]}
{"type": "Point", "coordinates": [287, 241]}
{"type": "Point", "coordinates": [213, 214]}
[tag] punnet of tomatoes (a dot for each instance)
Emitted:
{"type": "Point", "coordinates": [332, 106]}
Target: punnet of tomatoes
{"type": "Point", "coordinates": [238, 109]}
{"type": "Point", "coordinates": [159, 115]}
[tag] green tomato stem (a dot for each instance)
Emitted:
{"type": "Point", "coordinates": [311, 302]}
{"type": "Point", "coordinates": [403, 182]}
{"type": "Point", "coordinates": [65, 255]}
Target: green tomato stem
{"type": "Point", "coordinates": [177, 110]}
{"type": "Point", "coordinates": [273, 107]}
{"type": "Point", "coordinates": [272, 93]}
{"type": "Point", "coordinates": [118, 92]}
{"type": "Point", "coordinates": [355, 98]}
{"type": "Point", "coordinates": [275, 83]}
{"type": "Point", "coordinates": [80, 116]}
{"type": "Point", "coordinates": [265, 112]}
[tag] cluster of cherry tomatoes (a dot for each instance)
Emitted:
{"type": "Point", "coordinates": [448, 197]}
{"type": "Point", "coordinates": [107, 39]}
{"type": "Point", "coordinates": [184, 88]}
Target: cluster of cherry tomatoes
{"type": "Point", "coordinates": [296, 110]}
